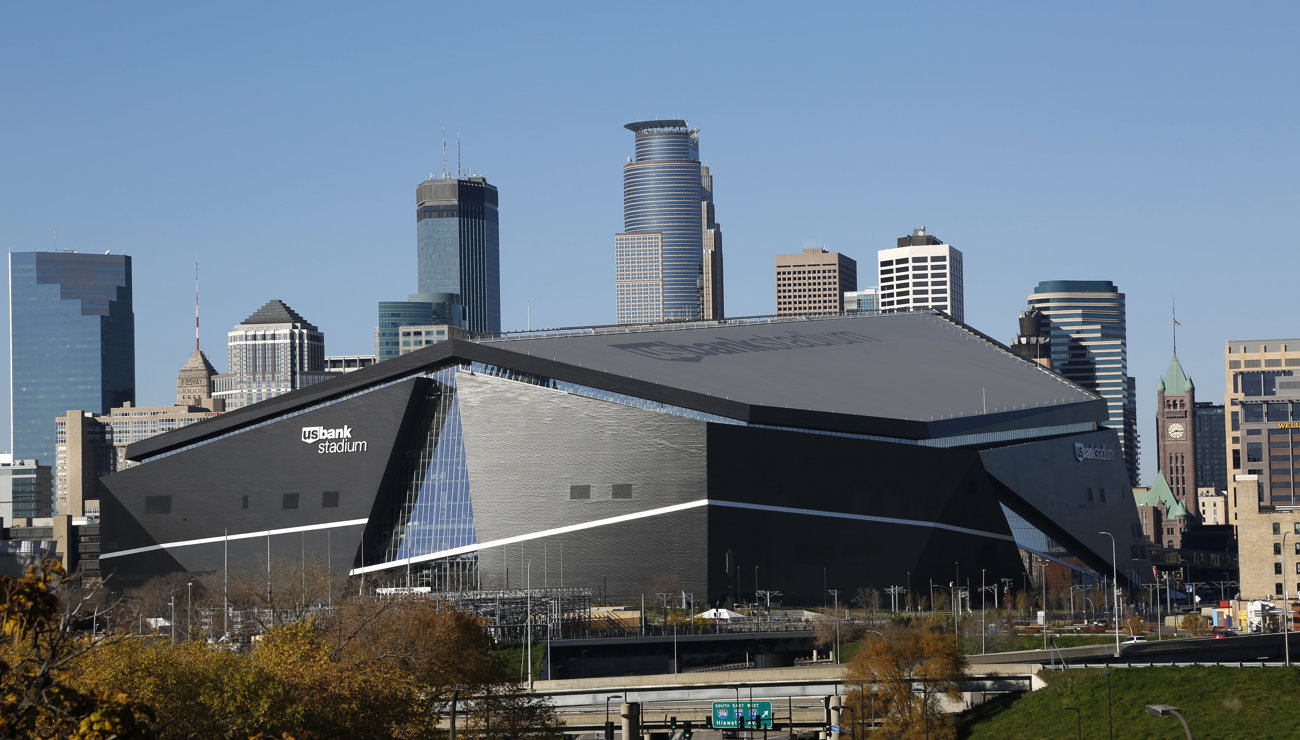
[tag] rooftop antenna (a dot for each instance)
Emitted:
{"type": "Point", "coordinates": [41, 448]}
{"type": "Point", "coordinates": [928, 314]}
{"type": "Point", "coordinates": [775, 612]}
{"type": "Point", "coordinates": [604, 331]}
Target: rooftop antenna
{"type": "Point", "coordinates": [196, 307]}
{"type": "Point", "coordinates": [1173, 314]}
{"type": "Point", "coordinates": [444, 153]}
{"type": "Point", "coordinates": [457, 155]}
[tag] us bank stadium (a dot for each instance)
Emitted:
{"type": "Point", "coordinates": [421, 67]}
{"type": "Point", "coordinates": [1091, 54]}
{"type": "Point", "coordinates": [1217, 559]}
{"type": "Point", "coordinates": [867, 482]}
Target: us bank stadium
{"type": "Point", "coordinates": [873, 450]}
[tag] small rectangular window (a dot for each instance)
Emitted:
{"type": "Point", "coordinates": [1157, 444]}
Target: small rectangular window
{"type": "Point", "coordinates": [1277, 548]}
{"type": "Point", "coordinates": [1277, 589]}
{"type": "Point", "coordinates": [1277, 568]}
{"type": "Point", "coordinates": [243, 504]}
{"type": "Point", "coordinates": [157, 504]}
{"type": "Point", "coordinates": [329, 500]}
{"type": "Point", "coordinates": [579, 492]}
{"type": "Point", "coordinates": [1089, 494]}
{"type": "Point", "coordinates": [1101, 494]}
{"type": "Point", "coordinates": [290, 501]}
{"type": "Point", "coordinates": [1277, 528]}
{"type": "Point", "coordinates": [621, 490]}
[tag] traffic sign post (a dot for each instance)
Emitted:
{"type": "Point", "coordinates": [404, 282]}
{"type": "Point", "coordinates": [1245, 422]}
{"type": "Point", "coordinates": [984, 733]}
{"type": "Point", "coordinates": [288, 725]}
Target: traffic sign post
{"type": "Point", "coordinates": [728, 714]}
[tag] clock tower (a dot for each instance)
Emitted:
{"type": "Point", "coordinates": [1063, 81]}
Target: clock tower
{"type": "Point", "coordinates": [1176, 433]}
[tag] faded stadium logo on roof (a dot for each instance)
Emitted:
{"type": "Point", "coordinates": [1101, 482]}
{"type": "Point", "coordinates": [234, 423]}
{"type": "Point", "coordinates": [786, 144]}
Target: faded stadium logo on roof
{"type": "Point", "coordinates": [695, 352]}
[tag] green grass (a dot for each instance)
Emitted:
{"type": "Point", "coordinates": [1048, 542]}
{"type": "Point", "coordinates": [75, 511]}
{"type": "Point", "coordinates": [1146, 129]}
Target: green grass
{"type": "Point", "coordinates": [1218, 702]}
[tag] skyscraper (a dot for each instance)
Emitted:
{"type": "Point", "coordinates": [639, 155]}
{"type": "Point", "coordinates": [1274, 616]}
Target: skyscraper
{"type": "Point", "coordinates": [668, 259]}
{"type": "Point", "coordinates": [712, 305]}
{"type": "Point", "coordinates": [1087, 343]}
{"type": "Point", "coordinates": [458, 249]}
{"type": "Point", "coordinates": [71, 342]}
{"type": "Point", "coordinates": [921, 272]}
{"type": "Point", "coordinates": [270, 353]}
{"type": "Point", "coordinates": [814, 282]}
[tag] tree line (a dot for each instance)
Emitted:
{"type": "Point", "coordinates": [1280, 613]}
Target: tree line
{"type": "Point", "coordinates": [75, 664]}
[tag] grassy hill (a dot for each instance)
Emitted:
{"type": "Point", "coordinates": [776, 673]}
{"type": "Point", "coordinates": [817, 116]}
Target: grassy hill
{"type": "Point", "coordinates": [1218, 702]}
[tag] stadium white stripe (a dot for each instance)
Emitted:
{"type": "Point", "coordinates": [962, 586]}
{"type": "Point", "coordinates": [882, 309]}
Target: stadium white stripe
{"type": "Point", "coordinates": [238, 536]}
{"type": "Point", "coordinates": [669, 510]}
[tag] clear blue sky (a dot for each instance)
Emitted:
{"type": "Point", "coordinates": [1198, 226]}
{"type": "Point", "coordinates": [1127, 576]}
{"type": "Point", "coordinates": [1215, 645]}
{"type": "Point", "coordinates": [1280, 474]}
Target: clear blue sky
{"type": "Point", "coordinates": [279, 145]}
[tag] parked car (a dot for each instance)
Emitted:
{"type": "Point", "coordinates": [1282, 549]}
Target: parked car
{"type": "Point", "coordinates": [1219, 634]}
{"type": "Point", "coordinates": [1133, 639]}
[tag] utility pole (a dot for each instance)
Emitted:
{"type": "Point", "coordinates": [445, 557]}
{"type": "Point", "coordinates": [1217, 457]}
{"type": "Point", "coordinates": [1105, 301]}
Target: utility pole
{"type": "Point", "coordinates": [835, 592]}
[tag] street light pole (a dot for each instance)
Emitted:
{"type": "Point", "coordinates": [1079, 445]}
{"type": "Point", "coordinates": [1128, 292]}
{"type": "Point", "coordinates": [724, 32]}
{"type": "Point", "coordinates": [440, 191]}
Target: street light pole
{"type": "Point", "coordinates": [835, 592]}
{"type": "Point", "coordinates": [1077, 712]}
{"type": "Point", "coordinates": [1165, 710]}
{"type": "Point", "coordinates": [528, 620]}
{"type": "Point", "coordinates": [1114, 571]}
{"type": "Point", "coordinates": [608, 735]}
{"type": "Point", "coordinates": [189, 612]}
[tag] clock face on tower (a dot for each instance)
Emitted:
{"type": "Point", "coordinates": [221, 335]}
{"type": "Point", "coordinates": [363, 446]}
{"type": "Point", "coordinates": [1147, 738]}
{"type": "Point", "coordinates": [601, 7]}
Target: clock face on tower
{"type": "Point", "coordinates": [1176, 431]}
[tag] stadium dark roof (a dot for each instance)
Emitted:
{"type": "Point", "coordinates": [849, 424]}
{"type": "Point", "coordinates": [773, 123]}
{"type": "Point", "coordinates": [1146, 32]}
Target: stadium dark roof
{"type": "Point", "coordinates": [912, 375]}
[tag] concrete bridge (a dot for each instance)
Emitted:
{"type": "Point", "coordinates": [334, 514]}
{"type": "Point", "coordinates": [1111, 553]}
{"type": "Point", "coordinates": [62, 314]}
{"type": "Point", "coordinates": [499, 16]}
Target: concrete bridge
{"type": "Point", "coordinates": [797, 693]}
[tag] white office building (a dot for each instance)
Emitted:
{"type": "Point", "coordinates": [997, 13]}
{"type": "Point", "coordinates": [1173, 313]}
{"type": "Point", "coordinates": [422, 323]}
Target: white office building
{"type": "Point", "coordinates": [921, 272]}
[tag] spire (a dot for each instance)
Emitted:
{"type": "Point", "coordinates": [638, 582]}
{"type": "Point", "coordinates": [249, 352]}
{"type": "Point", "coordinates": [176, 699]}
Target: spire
{"type": "Point", "coordinates": [1175, 381]}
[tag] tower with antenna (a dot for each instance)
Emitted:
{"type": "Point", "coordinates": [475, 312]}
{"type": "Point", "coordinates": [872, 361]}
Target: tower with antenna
{"type": "Point", "coordinates": [194, 381]}
{"type": "Point", "coordinates": [458, 272]}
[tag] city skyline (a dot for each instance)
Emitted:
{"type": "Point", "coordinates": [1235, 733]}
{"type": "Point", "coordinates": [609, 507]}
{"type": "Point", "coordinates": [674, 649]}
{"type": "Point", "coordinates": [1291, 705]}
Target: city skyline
{"type": "Point", "coordinates": [1128, 159]}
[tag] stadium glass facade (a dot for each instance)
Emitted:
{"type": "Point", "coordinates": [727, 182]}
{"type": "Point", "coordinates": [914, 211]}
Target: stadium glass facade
{"type": "Point", "coordinates": [71, 342]}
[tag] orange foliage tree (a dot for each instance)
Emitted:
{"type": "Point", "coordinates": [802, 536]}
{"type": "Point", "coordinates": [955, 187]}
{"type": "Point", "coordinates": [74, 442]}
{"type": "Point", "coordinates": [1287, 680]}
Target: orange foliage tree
{"type": "Point", "coordinates": [896, 682]}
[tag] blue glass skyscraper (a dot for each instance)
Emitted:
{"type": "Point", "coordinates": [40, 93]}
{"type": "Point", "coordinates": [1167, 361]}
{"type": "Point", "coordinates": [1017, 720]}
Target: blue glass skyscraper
{"type": "Point", "coordinates": [71, 342]}
{"type": "Point", "coordinates": [667, 215]}
{"type": "Point", "coordinates": [458, 249]}
{"type": "Point", "coordinates": [1087, 340]}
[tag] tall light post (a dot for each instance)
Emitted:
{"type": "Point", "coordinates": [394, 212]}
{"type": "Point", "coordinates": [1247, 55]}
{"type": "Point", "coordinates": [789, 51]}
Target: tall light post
{"type": "Point", "coordinates": [1164, 710]}
{"type": "Point", "coordinates": [189, 612]}
{"type": "Point", "coordinates": [1114, 572]}
{"type": "Point", "coordinates": [1286, 607]}
{"type": "Point", "coordinates": [835, 592]}
{"type": "Point", "coordinates": [1078, 715]}
{"type": "Point", "coordinates": [528, 619]}
{"type": "Point", "coordinates": [609, 735]}
{"type": "Point", "coordinates": [454, 694]}
{"type": "Point", "coordinates": [984, 628]}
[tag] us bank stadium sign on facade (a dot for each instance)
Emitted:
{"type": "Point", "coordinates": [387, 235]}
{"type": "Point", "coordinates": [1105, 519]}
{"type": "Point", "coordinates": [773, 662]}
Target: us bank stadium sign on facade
{"type": "Point", "coordinates": [1099, 453]}
{"type": "Point", "coordinates": [331, 441]}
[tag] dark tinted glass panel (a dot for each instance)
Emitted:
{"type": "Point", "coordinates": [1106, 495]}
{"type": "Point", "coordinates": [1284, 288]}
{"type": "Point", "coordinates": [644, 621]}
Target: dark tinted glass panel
{"type": "Point", "coordinates": [579, 492]}
{"type": "Point", "coordinates": [329, 499]}
{"type": "Point", "coordinates": [290, 501]}
{"type": "Point", "coordinates": [157, 504]}
{"type": "Point", "coordinates": [621, 490]}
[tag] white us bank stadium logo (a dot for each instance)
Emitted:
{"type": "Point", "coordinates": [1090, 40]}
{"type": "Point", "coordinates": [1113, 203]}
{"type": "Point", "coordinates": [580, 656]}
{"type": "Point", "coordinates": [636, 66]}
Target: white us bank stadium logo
{"type": "Point", "coordinates": [329, 441]}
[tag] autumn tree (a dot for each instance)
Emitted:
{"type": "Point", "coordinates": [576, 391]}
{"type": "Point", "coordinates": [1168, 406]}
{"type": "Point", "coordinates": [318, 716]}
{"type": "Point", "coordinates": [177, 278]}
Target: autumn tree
{"type": "Point", "coordinates": [1195, 624]}
{"type": "Point", "coordinates": [882, 676]}
{"type": "Point", "coordinates": [38, 647]}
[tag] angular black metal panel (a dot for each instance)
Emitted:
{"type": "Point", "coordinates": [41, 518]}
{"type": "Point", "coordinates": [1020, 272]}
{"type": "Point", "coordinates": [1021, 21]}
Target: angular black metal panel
{"type": "Point", "coordinates": [344, 447]}
{"type": "Point", "coordinates": [769, 472]}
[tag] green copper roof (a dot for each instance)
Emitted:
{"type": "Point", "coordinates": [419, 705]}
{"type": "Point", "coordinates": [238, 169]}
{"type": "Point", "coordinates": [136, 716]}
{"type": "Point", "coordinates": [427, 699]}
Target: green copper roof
{"type": "Point", "coordinates": [1160, 495]}
{"type": "Point", "coordinates": [1175, 381]}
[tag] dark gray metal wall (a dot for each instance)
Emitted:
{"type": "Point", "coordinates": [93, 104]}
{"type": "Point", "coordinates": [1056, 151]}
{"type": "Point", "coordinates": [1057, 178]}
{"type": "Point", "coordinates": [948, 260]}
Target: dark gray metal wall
{"type": "Point", "coordinates": [199, 493]}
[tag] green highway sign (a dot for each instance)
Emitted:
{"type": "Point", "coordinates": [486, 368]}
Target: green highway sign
{"type": "Point", "coordinates": [757, 714]}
